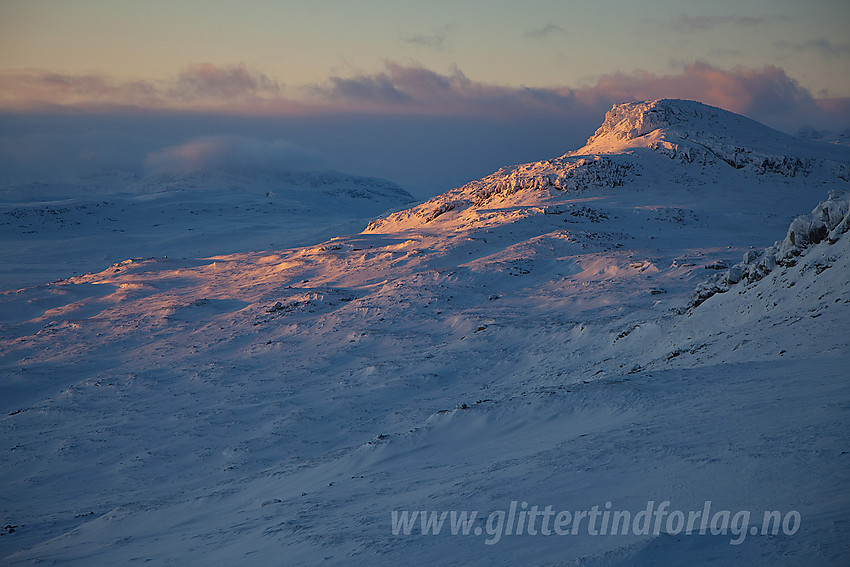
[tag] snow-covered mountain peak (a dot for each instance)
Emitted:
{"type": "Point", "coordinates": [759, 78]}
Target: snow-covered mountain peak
{"type": "Point", "coordinates": [637, 142]}
{"type": "Point", "coordinates": [692, 132]}
{"type": "Point", "coordinates": [632, 120]}
{"type": "Point", "coordinates": [644, 124]}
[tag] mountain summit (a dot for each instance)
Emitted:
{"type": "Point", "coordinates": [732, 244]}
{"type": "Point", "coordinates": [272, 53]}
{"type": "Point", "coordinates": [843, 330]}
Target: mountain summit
{"type": "Point", "coordinates": [639, 140]}
{"type": "Point", "coordinates": [693, 131]}
{"type": "Point", "coordinates": [642, 124]}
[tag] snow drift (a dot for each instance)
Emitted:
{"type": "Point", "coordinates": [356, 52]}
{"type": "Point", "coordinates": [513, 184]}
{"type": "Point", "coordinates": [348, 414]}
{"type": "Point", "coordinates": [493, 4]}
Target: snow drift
{"type": "Point", "coordinates": [829, 221]}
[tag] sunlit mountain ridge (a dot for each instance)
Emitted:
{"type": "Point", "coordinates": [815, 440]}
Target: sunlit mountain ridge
{"type": "Point", "coordinates": [636, 137]}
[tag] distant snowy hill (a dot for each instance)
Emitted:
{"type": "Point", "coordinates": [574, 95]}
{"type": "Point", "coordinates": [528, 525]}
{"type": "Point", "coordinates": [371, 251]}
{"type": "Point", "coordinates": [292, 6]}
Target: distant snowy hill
{"type": "Point", "coordinates": [647, 319]}
{"type": "Point", "coordinates": [57, 230]}
{"type": "Point", "coordinates": [833, 137]}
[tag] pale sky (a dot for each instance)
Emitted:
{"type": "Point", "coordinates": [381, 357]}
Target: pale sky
{"type": "Point", "coordinates": [537, 43]}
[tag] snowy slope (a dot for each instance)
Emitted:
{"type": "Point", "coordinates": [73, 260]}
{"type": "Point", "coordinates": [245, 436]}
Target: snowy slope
{"type": "Point", "coordinates": [529, 337]}
{"type": "Point", "coordinates": [57, 230]}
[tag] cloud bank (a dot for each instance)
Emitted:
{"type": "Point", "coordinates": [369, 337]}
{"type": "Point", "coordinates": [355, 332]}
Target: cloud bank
{"type": "Point", "coordinates": [427, 130]}
{"type": "Point", "coordinates": [767, 94]}
{"type": "Point", "coordinates": [202, 86]}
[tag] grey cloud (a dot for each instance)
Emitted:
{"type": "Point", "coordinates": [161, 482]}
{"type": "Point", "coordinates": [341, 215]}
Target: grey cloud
{"type": "Point", "coordinates": [544, 31]}
{"type": "Point", "coordinates": [374, 88]}
{"type": "Point", "coordinates": [767, 94]}
{"type": "Point", "coordinates": [438, 40]}
{"type": "Point", "coordinates": [688, 24]}
{"type": "Point", "coordinates": [397, 85]}
{"type": "Point", "coordinates": [828, 49]}
{"type": "Point", "coordinates": [724, 52]}
{"type": "Point", "coordinates": [417, 89]}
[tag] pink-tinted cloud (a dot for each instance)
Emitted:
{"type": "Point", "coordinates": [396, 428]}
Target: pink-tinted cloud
{"type": "Point", "coordinates": [767, 94]}
{"type": "Point", "coordinates": [428, 131]}
{"type": "Point", "coordinates": [202, 85]}
{"type": "Point", "coordinates": [26, 90]}
{"type": "Point", "coordinates": [206, 81]}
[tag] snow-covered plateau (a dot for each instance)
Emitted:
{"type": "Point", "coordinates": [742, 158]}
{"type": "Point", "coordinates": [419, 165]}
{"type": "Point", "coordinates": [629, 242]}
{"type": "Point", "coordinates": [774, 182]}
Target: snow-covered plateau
{"type": "Point", "coordinates": [632, 354]}
{"type": "Point", "coordinates": [55, 230]}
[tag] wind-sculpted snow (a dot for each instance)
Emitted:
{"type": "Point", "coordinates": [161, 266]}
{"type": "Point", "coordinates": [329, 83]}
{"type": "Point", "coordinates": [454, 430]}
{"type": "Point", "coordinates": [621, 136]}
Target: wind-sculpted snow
{"type": "Point", "coordinates": [523, 338]}
{"type": "Point", "coordinates": [829, 221]}
{"type": "Point", "coordinates": [574, 176]}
